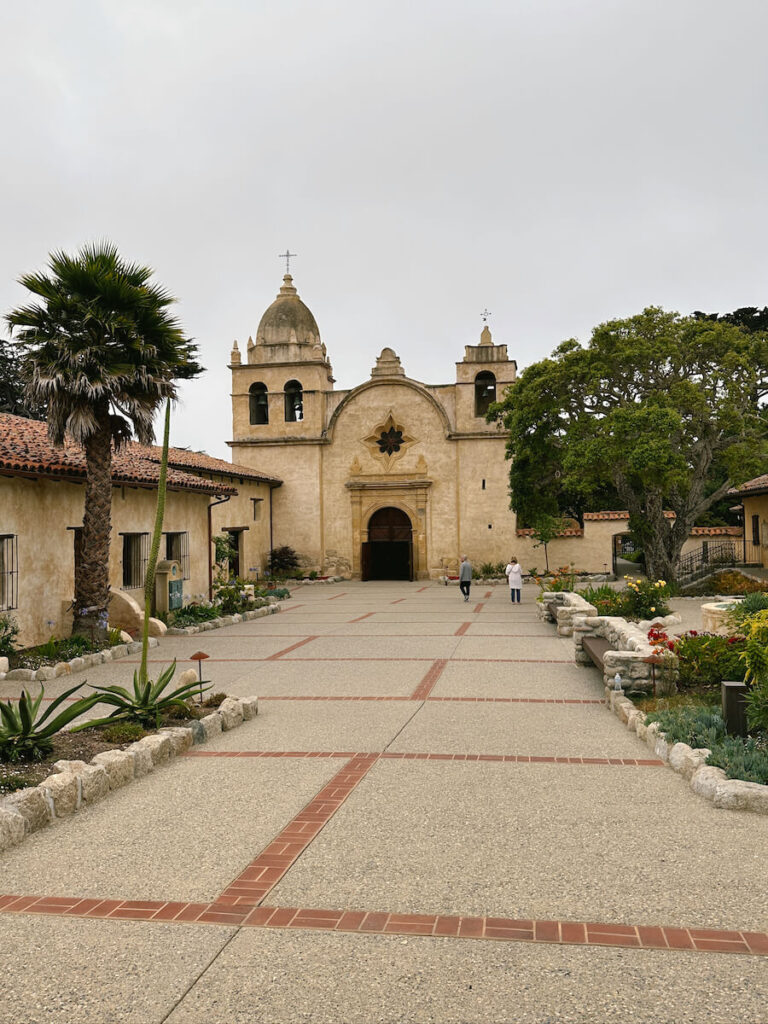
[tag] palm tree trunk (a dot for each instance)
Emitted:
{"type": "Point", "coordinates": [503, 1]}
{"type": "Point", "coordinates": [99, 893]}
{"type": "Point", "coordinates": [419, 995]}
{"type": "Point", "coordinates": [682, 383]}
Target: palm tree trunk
{"type": "Point", "coordinates": [91, 614]}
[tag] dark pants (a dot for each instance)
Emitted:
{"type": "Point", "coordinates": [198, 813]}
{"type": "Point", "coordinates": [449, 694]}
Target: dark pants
{"type": "Point", "coordinates": [514, 591]}
{"type": "Point", "coordinates": [464, 586]}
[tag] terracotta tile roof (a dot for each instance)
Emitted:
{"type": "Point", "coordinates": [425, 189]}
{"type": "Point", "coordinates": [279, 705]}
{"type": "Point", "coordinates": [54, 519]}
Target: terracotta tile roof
{"type": "Point", "coordinates": [185, 459]}
{"type": "Point", "coordinates": [571, 531]}
{"type": "Point", "coordinates": [616, 515]}
{"type": "Point", "coordinates": [760, 483]}
{"type": "Point", "coordinates": [715, 531]}
{"type": "Point", "coordinates": [25, 450]}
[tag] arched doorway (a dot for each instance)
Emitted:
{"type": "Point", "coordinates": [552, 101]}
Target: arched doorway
{"type": "Point", "coordinates": [388, 552]}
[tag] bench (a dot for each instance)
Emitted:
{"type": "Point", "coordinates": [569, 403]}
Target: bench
{"type": "Point", "coordinates": [595, 647]}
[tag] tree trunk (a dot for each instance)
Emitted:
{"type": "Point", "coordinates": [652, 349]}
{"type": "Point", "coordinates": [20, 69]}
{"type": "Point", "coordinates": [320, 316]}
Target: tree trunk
{"type": "Point", "coordinates": [660, 558]}
{"type": "Point", "coordinates": [91, 614]}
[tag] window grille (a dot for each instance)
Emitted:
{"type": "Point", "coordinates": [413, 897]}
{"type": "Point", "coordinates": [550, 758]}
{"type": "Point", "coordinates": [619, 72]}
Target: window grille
{"type": "Point", "coordinates": [177, 549]}
{"type": "Point", "coordinates": [135, 558]}
{"type": "Point", "coordinates": [9, 572]}
{"type": "Point", "coordinates": [756, 530]}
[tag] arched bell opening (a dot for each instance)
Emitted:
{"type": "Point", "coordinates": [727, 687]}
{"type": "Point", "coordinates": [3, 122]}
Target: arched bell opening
{"type": "Point", "coordinates": [485, 392]}
{"type": "Point", "coordinates": [258, 404]}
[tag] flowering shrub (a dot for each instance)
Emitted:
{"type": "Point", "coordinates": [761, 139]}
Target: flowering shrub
{"type": "Point", "coordinates": [640, 599]}
{"type": "Point", "coordinates": [644, 599]}
{"type": "Point", "coordinates": [553, 583]}
{"type": "Point", "coordinates": [704, 659]}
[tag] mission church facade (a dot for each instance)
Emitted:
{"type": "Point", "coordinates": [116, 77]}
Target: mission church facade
{"type": "Point", "coordinates": [389, 480]}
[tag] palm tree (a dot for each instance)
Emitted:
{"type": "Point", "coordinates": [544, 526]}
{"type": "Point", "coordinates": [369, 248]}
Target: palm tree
{"type": "Point", "coordinates": [102, 352]}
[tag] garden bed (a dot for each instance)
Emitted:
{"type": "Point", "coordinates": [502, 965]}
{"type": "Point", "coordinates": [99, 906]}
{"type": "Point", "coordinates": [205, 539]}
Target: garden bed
{"type": "Point", "coordinates": [75, 783]}
{"type": "Point", "coordinates": [77, 664]}
{"type": "Point", "coordinates": [726, 583]}
{"type": "Point", "coordinates": [85, 744]}
{"type": "Point", "coordinates": [225, 620]}
{"type": "Point", "coordinates": [719, 785]}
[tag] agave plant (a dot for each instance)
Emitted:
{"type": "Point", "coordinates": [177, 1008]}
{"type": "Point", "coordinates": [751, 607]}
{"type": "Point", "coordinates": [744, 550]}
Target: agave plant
{"type": "Point", "coordinates": [148, 702]}
{"type": "Point", "coordinates": [24, 736]}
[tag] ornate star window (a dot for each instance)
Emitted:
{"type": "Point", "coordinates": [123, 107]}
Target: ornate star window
{"type": "Point", "coordinates": [388, 442]}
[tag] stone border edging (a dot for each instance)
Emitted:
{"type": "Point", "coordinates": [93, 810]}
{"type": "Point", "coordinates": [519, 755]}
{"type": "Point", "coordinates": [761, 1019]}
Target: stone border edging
{"type": "Point", "coordinates": [66, 668]}
{"type": "Point", "coordinates": [225, 620]}
{"type": "Point", "coordinates": [705, 779]}
{"type": "Point", "coordinates": [75, 783]}
{"type": "Point", "coordinates": [328, 579]}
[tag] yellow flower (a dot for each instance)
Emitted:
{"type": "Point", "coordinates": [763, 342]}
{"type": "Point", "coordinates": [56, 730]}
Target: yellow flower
{"type": "Point", "coordinates": [653, 609]}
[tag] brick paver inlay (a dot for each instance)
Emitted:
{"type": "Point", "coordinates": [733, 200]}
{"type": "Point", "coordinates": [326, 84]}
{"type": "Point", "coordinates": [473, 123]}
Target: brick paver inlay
{"type": "Point", "coordinates": [418, 697]}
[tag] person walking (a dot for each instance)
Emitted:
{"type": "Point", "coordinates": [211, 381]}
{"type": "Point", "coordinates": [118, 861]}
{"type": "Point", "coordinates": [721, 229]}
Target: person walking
{"type": "Point", "coordinates": [514, 573]}
{"type": "Point", "coordinates": [465, 576]}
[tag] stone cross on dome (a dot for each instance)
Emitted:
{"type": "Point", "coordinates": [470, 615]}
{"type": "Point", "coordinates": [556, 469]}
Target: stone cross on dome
{"type": "Point", "coordinates": [485, 314]}
{"type": "Point", "coordinates": [287, 256]}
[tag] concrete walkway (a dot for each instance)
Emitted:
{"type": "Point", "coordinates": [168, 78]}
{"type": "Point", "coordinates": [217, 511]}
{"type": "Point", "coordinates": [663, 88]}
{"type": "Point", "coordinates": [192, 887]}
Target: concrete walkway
{"type": "Point", "coordinates": [434, 818]}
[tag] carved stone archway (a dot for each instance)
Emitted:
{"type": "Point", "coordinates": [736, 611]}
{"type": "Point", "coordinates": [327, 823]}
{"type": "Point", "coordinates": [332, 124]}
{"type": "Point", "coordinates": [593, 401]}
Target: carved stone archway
{"type": "Point", "coordinates": [369, 494]}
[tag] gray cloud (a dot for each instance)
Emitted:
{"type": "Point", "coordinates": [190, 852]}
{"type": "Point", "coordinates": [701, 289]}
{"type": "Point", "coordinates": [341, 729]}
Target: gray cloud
{"type": "Point", "coordinates": [560, 162]}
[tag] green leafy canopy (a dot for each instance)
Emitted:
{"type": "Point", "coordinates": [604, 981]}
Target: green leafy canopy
{"type": "Point", "coordinates": [666, 410]}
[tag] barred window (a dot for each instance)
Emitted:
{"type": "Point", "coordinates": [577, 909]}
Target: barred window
{"type": "Point", "coordinates": [135, 557]}
{"type": "Point", "coordinates": [177, 550]}
{"type": "Point", "coordinates": [9, 572]}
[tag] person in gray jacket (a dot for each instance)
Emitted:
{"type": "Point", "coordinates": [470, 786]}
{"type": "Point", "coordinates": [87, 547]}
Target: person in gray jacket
{"type": "Point", "coordinates": [465, 576]}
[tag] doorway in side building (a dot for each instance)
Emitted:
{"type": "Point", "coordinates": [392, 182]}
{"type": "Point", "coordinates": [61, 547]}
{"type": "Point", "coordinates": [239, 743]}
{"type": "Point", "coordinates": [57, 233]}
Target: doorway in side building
{"type": "Point", "coordinates": [388, 552]}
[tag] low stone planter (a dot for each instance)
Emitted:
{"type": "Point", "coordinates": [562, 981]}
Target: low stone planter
{"type": "Point", "coordinates": [225, 620]}
{"type": "Point", "coordinates": [629, 645]}
{"type": "Point", "coordinates": [68, 668]}
{"type": "Point", "coordinates": [704, 779]}
{"type": "Point", "coordinates": [75, 784]}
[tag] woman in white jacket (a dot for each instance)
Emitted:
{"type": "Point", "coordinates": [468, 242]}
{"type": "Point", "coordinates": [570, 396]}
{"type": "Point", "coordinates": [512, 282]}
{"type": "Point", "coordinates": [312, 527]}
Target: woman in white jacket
{"type": "Point", "coordinates": [514, 573]}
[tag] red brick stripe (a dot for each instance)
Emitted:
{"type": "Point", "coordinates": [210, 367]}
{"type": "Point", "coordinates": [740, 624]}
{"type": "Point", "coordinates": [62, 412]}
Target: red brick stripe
{"type": "Point", "coordinates": [501, 661]}
{"type": "Point", "coordinates": [361, 617]}
{"type": "Point", "coordinates": [343, 594]}
{"type": "Point", "coordinates": [285, 650]}
{"type": "Point", "coordinates": [421, 589]}
{"type": "Point", "coordinates": [293, 608]}
{"type": "Point", "coordinates": [472, 700]}
{"type": "Point", "coordinates": [702, 940]}
{"type": "Point", "coordinates": [266, 870]}
{"type": "Point", "coordinates": [426, 685]}
{"type": "Point", "coordinates": [488, 594]}
{"type": "Point", "coordinates": [509, 700]}
{"type": "Point", "coordinates": [478, 608]}
{"type": "Point", "coordinates": [397, 601]}
{"type": "Point", "coordinates": [434, 756]}
{"type": "Point", "coordinates": [462, 629]}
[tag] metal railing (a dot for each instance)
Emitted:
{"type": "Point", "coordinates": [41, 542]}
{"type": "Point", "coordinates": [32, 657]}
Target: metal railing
{"type": "Point", "coordinates": [711, 556]}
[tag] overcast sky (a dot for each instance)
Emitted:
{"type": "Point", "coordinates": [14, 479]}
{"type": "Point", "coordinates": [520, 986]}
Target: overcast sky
{"type": "Point", "coordinates": [561, 162]}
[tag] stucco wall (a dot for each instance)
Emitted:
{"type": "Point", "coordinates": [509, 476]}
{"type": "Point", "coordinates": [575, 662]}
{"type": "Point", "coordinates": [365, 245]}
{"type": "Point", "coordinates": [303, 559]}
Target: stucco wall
{"type": "Point", "coordinates": [757, 506]}
{"type": "Point", "coordinates": [238, 513]}
{"type": "Point", "coordinates": [39, 512]}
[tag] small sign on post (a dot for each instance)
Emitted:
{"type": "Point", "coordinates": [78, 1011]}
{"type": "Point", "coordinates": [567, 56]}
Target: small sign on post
{"type": "Point", "coordinates": [200, 657]}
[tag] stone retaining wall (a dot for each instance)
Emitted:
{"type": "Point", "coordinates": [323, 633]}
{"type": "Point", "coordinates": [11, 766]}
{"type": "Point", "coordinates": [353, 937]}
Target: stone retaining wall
{"type": "Point", "coordinates": [66, 668]}
{"type": "Point", "coordinates": [630, 647]}
{"type": "Point", "coordinates": [75, 784]}
{"type": "Point", "coordinates": [704, 779]}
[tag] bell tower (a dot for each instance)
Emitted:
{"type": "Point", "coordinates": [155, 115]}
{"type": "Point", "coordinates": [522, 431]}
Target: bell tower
{"type": "Point", "coordinates": [279, 383]}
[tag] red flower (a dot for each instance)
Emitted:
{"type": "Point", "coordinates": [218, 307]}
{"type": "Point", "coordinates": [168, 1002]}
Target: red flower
{"type": "Point", "coordinates": [693, 632]}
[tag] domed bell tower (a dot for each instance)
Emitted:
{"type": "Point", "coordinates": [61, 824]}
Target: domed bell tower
{"type": "Point", "coordinates": [280, 382]}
